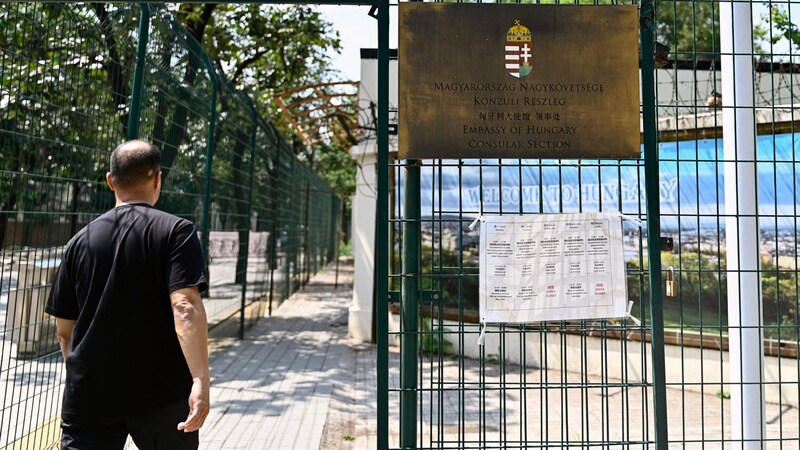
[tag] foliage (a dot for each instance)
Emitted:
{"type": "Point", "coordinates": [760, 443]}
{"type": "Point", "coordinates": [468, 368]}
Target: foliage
{"type": "Point", "coordinates": [338, 169]}
{"type": "Point", "coordinates": [346, 248]}
{"type": "Point", "coordinates": [55, 77]}
{"type": "Point", "coordinates": [440, 273]}
{"type": "Point", "coordinates": [63, 96]}
{"type": "Point", "coordinates": [783, 26]}
{"type": "Point", "coordinates": [702, 301]}
{"type": "Point", "coordinates": [701, 288]}
{"type": "Point", "coordinates": [691, 29]}
{"type": "Point", "coordinates": [779, 293]}
{"type": "Point", "coordinates": [264, 49]}
{"type": "Point", "coordinates": [432, 342]}
{"type": "Point", "coordinates": [493, 359]}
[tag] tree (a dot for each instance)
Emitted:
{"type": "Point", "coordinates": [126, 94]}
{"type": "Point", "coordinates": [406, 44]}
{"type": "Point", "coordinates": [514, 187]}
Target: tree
{"type": "Point", "coordinates": [783, 27]}
{"type": "Point", "coordinates": [691, 29]}
{"type": "Point", "coordinates": [260, 50]}
{"type": "Point", "coordinates": [340, 171]}
{"type": "Point", "coordinates": [63, 94]}
{"type": "Point", "coordinates": [264, 49]}
{"type": "Point", "coordinates": [779, 294]}
{"type": "Point", "coordinates": [267, 49]}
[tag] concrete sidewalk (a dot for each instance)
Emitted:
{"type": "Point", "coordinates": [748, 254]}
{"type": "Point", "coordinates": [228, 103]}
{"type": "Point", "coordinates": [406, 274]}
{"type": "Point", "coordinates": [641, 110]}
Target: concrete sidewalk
{"type": "Point", "coordinates": [293, 372]}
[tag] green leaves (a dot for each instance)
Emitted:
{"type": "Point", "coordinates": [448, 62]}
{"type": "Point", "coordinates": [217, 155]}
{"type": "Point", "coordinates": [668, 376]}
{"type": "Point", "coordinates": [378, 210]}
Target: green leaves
{"type": "Point", "coordinates": [690, 28]}
{"type": "Point", "coordinates": [268, 48]}
{"type": "Point", "coordinates": [339, 170]}
{"type": "Point", "coordinates": [783, 28]}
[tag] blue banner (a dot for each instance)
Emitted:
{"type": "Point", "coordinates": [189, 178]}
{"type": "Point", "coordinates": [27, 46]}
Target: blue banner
{"type": "Point", "coordinates": [691, 184]}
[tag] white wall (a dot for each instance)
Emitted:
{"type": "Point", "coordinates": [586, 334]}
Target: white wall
{"type": "Point", "coordinates": [685, 91]}
{"type": "Point", "coordinates": [363, 243]}
{"type": "Point", "coordinates": [364, 202]}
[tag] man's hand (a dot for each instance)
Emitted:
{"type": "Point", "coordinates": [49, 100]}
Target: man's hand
{"type": "Point", "coordinates": [198, 406]}
{"type": "Point", "coordinates": [191, 327]}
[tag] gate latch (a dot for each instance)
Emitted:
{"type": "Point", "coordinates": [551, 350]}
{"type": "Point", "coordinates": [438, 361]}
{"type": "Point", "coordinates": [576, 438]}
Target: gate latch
{"type": "Point", "coordinates": [670, 282]}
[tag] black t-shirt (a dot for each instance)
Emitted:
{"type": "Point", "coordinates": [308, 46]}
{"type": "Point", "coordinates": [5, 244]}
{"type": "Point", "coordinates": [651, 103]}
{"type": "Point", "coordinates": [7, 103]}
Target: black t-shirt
{"type": "Point", "coordinates": [115, 280]}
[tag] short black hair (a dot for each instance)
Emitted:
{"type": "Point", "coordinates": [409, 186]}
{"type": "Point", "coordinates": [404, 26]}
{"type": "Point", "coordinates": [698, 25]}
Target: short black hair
{"type": "Point", "coordinates": [134, 163]}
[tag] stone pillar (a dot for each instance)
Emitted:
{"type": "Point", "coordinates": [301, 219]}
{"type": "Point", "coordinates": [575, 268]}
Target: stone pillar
{"type": "Point", "coordinates": [359, 323]}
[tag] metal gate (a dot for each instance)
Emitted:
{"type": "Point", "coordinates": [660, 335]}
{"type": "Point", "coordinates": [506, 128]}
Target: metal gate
{"type": "Point", "coordinates": [711, 367]}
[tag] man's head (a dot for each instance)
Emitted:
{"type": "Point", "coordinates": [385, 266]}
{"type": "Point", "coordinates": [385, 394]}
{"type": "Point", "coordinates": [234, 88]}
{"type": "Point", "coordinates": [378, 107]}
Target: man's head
{"type": "Point", "coordinates": [135, 172]}
{"type": "Point", "coordinates": [134, 163]}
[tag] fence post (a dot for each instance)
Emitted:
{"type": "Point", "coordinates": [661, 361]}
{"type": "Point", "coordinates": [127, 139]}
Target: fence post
{"type": "Point", "coordinates": [273, 239]}
{"type": "Point", "coordinates": [291, 267]}
{"type": "Point", "coordinates": [210, 146]}
{"type": "Point", "coordinates": [409, 320]}
{"type": "Point", "coordinates": [306, 262]}
{"type": "Point", "coordinates": [742, 237]}
{"type": "Point", "coordinates": [382, 229]}
{"type": "Point", "coordinates": [242, 315]}
{"type": "Point", "coordinates": [339, 232]}
{"type": "Point", "coordinates": [138, 72]}
{"type": "Point", "coordinates": [333, 230]}
{"type": "Point", "coordinates": [651, 177]}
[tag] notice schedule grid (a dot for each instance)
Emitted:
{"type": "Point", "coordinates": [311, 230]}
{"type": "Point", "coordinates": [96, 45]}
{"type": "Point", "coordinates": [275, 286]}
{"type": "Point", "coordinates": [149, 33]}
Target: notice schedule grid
{"type": "Point", "coordinates": [552, 267]}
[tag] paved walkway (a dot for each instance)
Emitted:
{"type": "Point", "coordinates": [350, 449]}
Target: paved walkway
{"type": "Point", "coordinates": [277, 387]}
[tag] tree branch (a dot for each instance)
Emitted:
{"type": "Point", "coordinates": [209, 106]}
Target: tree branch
{"type": "Point", "coordinates": [247, 63]}
{"type": "Point", "coordinates": [116, 75]}
{"type": "Point", "coordinates": [197, 24]}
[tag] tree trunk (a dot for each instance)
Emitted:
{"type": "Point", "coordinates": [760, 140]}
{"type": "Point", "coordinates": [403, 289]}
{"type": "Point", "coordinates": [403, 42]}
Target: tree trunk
{"type": "Point", "coordinates": [76, 195]}
{"type": "Point", "coordinates": [6, 210]}
{"type": "Point", "coordinates": [176, 135]}
{"type": "Point", "coordinates": [118, 79]}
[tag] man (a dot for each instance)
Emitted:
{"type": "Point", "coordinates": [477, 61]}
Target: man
{"type": "Point", "coordinates": [714, 101]}
{"type": "Point", "coordinates": [130, 320]}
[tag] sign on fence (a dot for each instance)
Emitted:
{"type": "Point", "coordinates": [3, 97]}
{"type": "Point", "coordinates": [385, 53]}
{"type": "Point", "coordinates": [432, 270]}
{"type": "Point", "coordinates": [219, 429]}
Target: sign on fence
{"type": "Point", "coordinates": [518, 81]}
{"type": "Point", "coordinates": [552, 267]}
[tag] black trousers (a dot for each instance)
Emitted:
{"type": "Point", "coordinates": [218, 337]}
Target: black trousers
{"type": "Point", "coordinates": [155, 429]}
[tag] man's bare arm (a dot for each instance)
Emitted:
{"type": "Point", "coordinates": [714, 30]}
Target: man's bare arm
{"type": "Point", "coordinates": [191, 326]}
{"type": "Point", "coordinates": [64, 334]}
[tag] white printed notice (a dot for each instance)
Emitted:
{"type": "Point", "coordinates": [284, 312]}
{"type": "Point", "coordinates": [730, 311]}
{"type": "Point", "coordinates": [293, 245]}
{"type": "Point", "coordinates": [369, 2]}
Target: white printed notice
{"type": "Point", "coordinates": [552, 267]}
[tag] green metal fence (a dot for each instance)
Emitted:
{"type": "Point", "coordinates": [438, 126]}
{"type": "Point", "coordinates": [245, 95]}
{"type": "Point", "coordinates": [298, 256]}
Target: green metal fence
{"type": "Point", "coordinates": [716, 366]}
{"type": "Point", "coordinates": [75, 81]}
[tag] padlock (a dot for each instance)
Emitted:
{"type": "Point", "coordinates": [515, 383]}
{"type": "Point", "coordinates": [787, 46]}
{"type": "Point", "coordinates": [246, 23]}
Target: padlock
{"type": "Point", "coordinates": [670, 282]}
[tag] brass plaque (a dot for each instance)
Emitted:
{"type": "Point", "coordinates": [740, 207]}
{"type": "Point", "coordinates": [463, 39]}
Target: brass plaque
{"type": "Point", "coordinates": [518, 81]}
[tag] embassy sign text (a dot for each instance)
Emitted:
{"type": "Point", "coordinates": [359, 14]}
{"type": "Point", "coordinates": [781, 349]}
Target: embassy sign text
{"type": "Point", "coordinates": [518, 81]}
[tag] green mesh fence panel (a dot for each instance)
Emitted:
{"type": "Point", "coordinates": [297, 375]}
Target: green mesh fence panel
{"type": "Point", "coordinates": [64, 88]}
{"type": "Point", "coordinates": [66, 85]}
{"type": "Point", "coordinates": [175, 111]}
{"type": "Point", "coordinates": [728, 362]}
{"type": "Point", "coordinates": [581, 384]}
{"type": "Point", "coordinates": [731, 380]}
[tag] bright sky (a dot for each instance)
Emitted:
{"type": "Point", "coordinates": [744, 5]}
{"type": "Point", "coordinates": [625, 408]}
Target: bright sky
{"type": "Point", "coordinates": [357, 30]}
